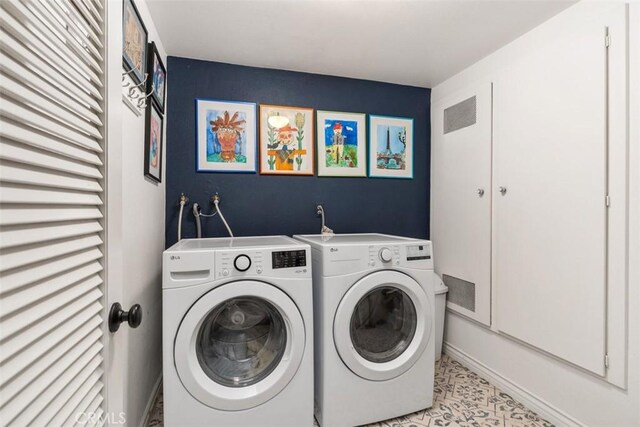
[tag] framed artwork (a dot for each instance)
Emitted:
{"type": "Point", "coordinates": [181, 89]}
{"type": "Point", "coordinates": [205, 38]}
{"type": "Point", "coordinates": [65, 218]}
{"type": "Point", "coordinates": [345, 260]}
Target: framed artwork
{"type": "Point", "coordinates": [157, 76]}
{"type": "Point", "coordinates": [226, 136]}
{"type": "Point", "coordinates": [153, 143]}
{"type": "Point", "coordinates": [341, 143]}
{"type": "Point", "coordinates": [134, 42]}
{"type": "Point", "coordinates": [286, 140]}
{"type": "Point", "coordinates": [390, 147]}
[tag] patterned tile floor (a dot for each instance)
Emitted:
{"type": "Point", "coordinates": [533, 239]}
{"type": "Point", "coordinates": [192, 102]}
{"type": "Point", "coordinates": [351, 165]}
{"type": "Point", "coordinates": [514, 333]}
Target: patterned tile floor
{"type": "Point", "coordinates": [461, 398]}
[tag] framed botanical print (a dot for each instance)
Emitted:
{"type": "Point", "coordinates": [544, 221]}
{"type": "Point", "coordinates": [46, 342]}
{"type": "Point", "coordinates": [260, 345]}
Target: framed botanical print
{"type": "Point", "coordinates": [286, 140]}
{"type": "Point", "coordinates": [341, 144]}
{"type": "Point", "coordinates": [134, 42]}
{"type": "Point", "coordinates": [157, 79]}
{"type": "Point", "coordinates": [226, 136]}
{"type": "Point", "coordinates": [153, 143]}
{"type": "Point", "coordinates": [390, 147]}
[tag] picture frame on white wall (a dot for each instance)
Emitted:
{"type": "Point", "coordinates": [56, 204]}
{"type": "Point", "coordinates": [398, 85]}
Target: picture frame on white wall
{"type": "Point", "coordinates": [390, 147]}
{"type": "Point", "coordinates": [153, 142]}
{"type": "Point", "coordinates": [157, 79]}
{"type": "Point", "coordinates": [134, 42]}
{"type": "Point", "coordinates": [226, 136]}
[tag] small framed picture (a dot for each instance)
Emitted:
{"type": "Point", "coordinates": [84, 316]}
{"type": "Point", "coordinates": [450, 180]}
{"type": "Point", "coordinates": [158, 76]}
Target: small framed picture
{"type": "Point", "coordinates": [134, 42]}
{"type": "Point", "coordinates": [153, 143]}
{"type": "Point", "coordinates": [286, 140]}
{"type": "Point", "coordinates": [226, 136]}
{"type": "Point", "coordinates": [390, 147]}
{"type": "Point", "coordinates": [341, 143]}
{"type": "Point", "coordinates": [157, 79]}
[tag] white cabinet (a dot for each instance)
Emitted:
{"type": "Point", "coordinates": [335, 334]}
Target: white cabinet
{"type": "Point", "coordinates": [534, 247]}
{"type": "Point", "coordinates": [550, 225]}
{"type": "Point", "coordinates": [461, 199]}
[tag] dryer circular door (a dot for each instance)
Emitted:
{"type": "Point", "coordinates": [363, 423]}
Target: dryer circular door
{"type": "Point", "coordinates": [239, 345]}
{"type": "Point", "coordinates": [382, 325]}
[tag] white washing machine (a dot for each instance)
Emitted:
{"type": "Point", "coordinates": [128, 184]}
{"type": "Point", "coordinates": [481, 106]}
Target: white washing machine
{"type": "Point", "coordinates": [238, 332]}
{"type": "Point", "coordinates": [374, 316]}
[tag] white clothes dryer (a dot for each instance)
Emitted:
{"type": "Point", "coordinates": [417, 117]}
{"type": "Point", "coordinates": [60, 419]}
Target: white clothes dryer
{"type": "Point", "coordinates": [374, 316]}
{"type": "Point", "coordinates": [238, 332]}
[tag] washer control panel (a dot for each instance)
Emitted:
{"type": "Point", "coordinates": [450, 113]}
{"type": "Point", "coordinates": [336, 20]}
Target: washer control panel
{"type": "Point", "coordinates": [256, 262]}
{"type": "Point", "coordinates": [237, 263]}
{"type": "Point", "coordinates": [242, 262]}
{"type": "Point", "coordinates": [288, 259]}
{"type": "Point", "coordinates": [387, 255]}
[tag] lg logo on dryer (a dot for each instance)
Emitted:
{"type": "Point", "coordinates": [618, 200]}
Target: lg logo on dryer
{"type": "Point", "coordinates": [333, 250]}
{"type": "Point", "coordinates": [174, 257]}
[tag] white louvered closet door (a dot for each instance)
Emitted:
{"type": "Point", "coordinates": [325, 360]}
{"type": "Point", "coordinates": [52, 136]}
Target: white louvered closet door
{"type": "Point", "coordinates": [51, 211]}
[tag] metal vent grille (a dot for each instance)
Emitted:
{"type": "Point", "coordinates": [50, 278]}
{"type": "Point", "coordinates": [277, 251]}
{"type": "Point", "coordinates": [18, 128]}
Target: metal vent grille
{"type": "Point", "coordinates": [460, 115]}
{"type": "Point", "coordinates": [461, 292]}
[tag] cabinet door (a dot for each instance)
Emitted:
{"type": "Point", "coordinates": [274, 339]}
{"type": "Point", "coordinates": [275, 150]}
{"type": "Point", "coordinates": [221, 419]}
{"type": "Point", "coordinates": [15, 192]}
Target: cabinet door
{"type": "Point", "coordinates": [550, 219]}
{"type": "Point", "coordinates": [461, 199]}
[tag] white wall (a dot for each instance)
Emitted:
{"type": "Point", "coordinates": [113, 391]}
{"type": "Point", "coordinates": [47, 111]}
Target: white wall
{"type": "Point", "coordinates": [135, 238]}
{"type": "Point", "coordinates": [143, 243]}
{"type": "Point", "coordinates": [565, 394]}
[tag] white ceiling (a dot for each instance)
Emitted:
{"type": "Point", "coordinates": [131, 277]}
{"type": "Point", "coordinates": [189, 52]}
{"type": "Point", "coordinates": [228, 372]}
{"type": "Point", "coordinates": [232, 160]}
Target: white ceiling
{"type": "Point", "coordinates": [413, 42]}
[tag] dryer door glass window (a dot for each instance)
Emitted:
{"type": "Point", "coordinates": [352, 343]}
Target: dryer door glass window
{"type": "Point", "coordinates": [241, 341]}
{"type": "Point", "coordinates": [383, 324]}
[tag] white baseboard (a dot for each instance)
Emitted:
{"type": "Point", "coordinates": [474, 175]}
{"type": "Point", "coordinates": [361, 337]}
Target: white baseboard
{"type": "Point", "coordinates": [530, 400]}
{"type": "Point", "coordinates": [151, 401]}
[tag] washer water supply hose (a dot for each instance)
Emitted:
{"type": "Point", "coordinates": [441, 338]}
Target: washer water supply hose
{"type": "Point", "coordinates": [183, 201]}
{"type": "Point", "coordinates": [216, 202]}
{"type": "Point", "coordinates": [325, 231]}
{"type": "Point", "coordinates": [197, 214]}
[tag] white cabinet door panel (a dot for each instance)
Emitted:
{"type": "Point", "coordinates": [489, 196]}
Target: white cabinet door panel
{"type": "Point", "coordinates": [461, 199]}
{"type": "Point", "coordinates": [550, 224]}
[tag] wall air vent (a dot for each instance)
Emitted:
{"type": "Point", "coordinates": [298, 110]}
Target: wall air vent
{"type": "Point", "coordinates": [461, 292]}
{"type": "Point", "coordinates": [460, 115]}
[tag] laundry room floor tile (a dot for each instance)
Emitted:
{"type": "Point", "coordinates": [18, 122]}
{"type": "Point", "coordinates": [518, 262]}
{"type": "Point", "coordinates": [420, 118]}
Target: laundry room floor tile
{"type": "Point", "coordinates": [461, 398]}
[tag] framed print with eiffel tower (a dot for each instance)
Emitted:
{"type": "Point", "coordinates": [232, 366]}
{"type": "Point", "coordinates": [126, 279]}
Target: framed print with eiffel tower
{"type": "Point", "coordinates": [390, 147]}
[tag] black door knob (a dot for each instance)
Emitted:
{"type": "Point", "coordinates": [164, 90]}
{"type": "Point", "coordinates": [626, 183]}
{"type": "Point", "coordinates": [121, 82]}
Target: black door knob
{"type": "Point", "coordinates": [117, 315]}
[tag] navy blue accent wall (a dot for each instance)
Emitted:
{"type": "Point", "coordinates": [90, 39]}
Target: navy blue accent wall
{"type": "Point", "coordinates": [255, 204]}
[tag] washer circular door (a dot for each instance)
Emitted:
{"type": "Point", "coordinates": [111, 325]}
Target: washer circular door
{"type": "Point", "coordinates": [382, 325]}
{"type": "Point", "coordinates": [239, 345]}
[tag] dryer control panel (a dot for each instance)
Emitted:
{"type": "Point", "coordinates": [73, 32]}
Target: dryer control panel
{"type": "Point", "coordinates": [387, 255]}
{"type": "Point", "coordinates": [418, 252]}
{"type": "Point", "coordinates": [345, 259]}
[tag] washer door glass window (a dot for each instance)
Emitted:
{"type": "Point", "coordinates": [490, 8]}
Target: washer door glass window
{"type": "Point", "coordinates": [241, 341]}
{"type": "Point", "coordinates": [239, 345]}
{"type": "Point", "coordinates": [383, 324]}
